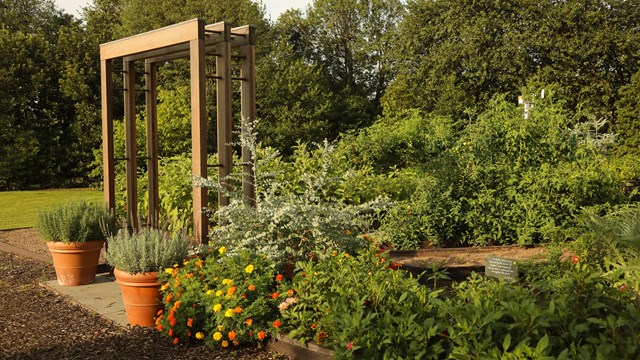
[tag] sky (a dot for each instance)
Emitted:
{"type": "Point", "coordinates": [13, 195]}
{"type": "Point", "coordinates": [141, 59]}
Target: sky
{"type": "Point", "coordinates": [274, 7]}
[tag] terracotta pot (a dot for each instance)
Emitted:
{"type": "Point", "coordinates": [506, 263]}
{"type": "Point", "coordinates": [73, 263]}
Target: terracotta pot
{"type": "Point", "coordinates": [141, 296]}
{"type": "Point", "coordinates": [75, 263]}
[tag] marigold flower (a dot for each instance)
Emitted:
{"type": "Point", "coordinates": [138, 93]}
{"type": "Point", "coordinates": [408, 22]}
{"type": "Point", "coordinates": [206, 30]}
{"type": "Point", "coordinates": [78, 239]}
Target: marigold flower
{"type": "Point", "coordinates": [575, 259]}
{"type": "Point", "coordinates": [170, 332]}
{"type": "Point", "coordinates": [159, 327]}
{"type": "Point", "coordinates": [350, 345]}
{"type": "Point", "coordinates": [275, 295]}
{"type": "Point", "coordinates": [261, 335]}
{"type": "Point", "coordinates": [225, 343]}
{"type": "Point", "coordinates": [199, 336]}
{"type": "Point", "coordinates": [314, 326]}
{"type": "Point", "coordinates": [190, 275]}
{"type": "Point", "coordinates": [251, 287]}
{"type": "Point", "coordinates": [249, 269]}
{"type": "Point", "coordinates": [277, 323]}
{"type": "Point", "coordinates": [236, 342]}
{"type": "Point", "coordinates": [220, 327]}
{"type": "Point", "coordinates": [186, 262]}
{"type": "Point", "coordinates": [209, 292]}
{"type": "Point", "coordinates": [231, 290]}
{"type": "Point", "coordinates": [237, 310]}
{"type": "Point", "coordinates": [227, 282]}
{"type": "Point", "coordinates": [244, 296]}
{"type": "Point", "coordinates": [199, 263]}
{"type": "Point", "coordinates": [222, 250]}
{"type": "Point", "coordinates": [169, 271]}
{"type": "Point", "coordinates": [190, 322]}
{"type": "Point", "coordinates": [232, 335]}
{"type": "Point", "coordinates": [248, 322]}
{"type": "Point", "coordinates": [169, 297]}
{"type": "Point", "coordinates": [189, 333]}
{"type": "Point", "coordinates": [175, 341]}
{"type": "Point", "coordinates": [228, 313]}
{"type": "Point", "coordinates": [217, 336]}
{"type": "Point", "coordinates": [283, 306]}
{"type": "Point", "coordinates": [279, 277]}
{"type": "Point", "coordinates": [217, 307]}
{"type": "Point", "coordinates": [219, 293]}
{"type": "Point", "coordinates": [290, 292]}
{"type": "Point", "coordinates": [172, 321]}
{"type": "Point", "coordinates": [177, 304]}
{"type": "Point", "coordinates": [175, 265]}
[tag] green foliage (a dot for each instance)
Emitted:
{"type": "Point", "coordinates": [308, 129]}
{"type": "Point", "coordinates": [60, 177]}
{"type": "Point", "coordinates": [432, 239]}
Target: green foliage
{"type": "Point", "coordinates": [455, 55]}
{"type": "Point", "coordinates": [219, 299]}
{"type": "Point", "coordinates": [362, 309]}
{"type": "Point", "coordinates": [147, 250]}
{"type": "Point", "coordinates": [627, 118]}
{"type": "Point", "coordinates": [506, 179]}
{"type": "Point", "coordinates": [79, 221]}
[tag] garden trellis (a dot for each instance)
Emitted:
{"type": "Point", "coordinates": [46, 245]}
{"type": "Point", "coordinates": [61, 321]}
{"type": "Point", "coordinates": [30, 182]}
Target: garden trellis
{"type": "Point", "coordinates": [193, 40]}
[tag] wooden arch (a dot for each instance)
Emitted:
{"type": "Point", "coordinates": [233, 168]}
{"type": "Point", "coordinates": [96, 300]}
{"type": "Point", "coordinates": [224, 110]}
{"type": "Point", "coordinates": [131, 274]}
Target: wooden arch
{"type": "Point", "coordinates": [190, 39]}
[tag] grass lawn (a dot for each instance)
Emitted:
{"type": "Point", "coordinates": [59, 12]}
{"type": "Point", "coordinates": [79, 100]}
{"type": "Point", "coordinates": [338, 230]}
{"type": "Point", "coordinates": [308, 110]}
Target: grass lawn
{"type": "Point", "coordinates": [19, 209]}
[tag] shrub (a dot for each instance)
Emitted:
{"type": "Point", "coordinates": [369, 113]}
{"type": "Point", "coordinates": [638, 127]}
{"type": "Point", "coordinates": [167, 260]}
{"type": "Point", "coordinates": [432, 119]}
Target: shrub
{"type": "Point", "coordinates": [75, 222]}
{"type": "Point", "coordinates": [362, 308]}
{"type": "Point", "coordinates": [147, 250]}
{"type": "Point", "coordinates": [220, 299]}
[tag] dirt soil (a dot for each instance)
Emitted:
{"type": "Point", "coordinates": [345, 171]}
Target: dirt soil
{"type": "Point", "coordinates": [37, 323]}
{"type": "Point", "coordinates": [467, 257]}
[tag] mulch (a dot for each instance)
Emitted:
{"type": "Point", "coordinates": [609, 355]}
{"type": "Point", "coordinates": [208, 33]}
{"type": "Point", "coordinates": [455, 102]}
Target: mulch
{"type": "Point", "coordinates": [36, 323]}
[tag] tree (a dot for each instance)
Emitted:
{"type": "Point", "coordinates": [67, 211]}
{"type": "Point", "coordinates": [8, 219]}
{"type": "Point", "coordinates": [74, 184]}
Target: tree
{"type": "Point", "coordinates": [455, 54]}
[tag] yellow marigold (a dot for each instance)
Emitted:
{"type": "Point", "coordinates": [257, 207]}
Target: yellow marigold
{"type": "Point", "coordinates": [228, 313]}
{"type": "Point", "coordinates": [199, 336]}
{"type": "Point", "coordinates": [249, 269]}
{"type": "Point", "coordinates": [209, 292]}
{"type": "Point", "coordinates": [217, 336]}
{"type": "Point", "coordinates": [225, 343]}
{"type": "Point", "coordinates": [164, 287]}
{"type": "Point", "coordinates": [186, 262]}
{"type": "Point", "coordinates": [219, 293]}
{"type": "Point", "coordinates": [220, 327]}
{"type": "Point", "coordinates": [227, 282]}
{"type": "Point", "coordinates": [175, 265]}
{"type": "Point", "coordinates": [222, 250]}
{"type": "Point", "coordinates": [217, 307]}
{"type": "Point", "coordinates": [168, 270]}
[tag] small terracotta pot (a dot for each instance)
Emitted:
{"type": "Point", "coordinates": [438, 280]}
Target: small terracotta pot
{"type": "Point", "coordinates": [76, 263]}
{"type": "Point", "coordinates": [141, 296]}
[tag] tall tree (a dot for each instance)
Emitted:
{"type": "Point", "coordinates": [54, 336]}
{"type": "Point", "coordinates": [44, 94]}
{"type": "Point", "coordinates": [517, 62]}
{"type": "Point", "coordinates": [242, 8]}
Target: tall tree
{"type": "Point", "coordinates": [455, 54]}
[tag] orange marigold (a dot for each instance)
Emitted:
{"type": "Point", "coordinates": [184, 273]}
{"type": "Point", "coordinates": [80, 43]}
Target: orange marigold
{"type": "Point", "coordinates": [170, 332]}
{"type": "Point", "coordinates": [277, 324]}
{"type": "Point", "coordinates": [189, 275]}
{"type": "Point", "coordinates": [232, 335]}
{"type": "Point", "coordinates": [175, 341]}
{"type": "Point", "coordinates": [189, 322]}
{"type": "Point", "coordinates": [275, 295]}
{"type": "Point", "coordinates": [159, 327]}
{"type": "Point", "coordinates": [237, 310]}
{"type": "Point", "coordinates": [251, 287]}
{"type": "Point", "coordinates": [169, 297]}
{"type": "Point", "coordinates": [199, 263]}
{"type": "Point", "coordinates": [279, 277]}
{"type": "Point", "coordinates": [290, 292]}
{"type": "Point", "coordinates": [159, 312]}
{"type": "Point", "coordinates": [231, 290]}
{"type": "Point", "coordinates": [261, 335]}
{"type": "Point", "coordinates": [248, 322]}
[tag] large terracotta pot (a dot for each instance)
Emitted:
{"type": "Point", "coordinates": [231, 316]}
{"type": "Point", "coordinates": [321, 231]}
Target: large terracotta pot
{"type": "Point", "coordinates": [141, 296]}
{"type": "Point", "coordinates": [76, 263]}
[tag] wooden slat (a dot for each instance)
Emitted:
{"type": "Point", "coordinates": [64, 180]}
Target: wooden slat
{"type": "Point", "coordinates": [153, 211]}
{"type": "Point", "coordinates": [223, 92]}
{"type": "Point", "coordinates": [152, 40]}
{"type": "Point", "coordinates": [199, 136]}
{"type": "Point", "coordinates": [106, 73]}
{"type": "Point", "coordinates": [248, 110]}
{"type": "Point", "coordinates": [130, 143]}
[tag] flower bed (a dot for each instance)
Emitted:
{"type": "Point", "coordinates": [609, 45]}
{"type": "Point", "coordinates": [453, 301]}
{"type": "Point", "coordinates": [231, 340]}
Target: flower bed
{"type": "Point", "coordinates": [362, 307]}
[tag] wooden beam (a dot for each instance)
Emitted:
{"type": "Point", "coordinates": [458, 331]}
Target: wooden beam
{"type": "Point", "coordinates": [152, 40]}
{"type": "Point", "coordinates": [130, 143]}
{"type": "Point", "coordinates": [223, 92]}
{"type": "Point", "coordinates": [151, 83]}
{"type": "Point", "coordinates": [199, 135]}
{"type": "Point", "coordinates": [248, 110]}
{"type": "Point", "coordinates": [106, 73]}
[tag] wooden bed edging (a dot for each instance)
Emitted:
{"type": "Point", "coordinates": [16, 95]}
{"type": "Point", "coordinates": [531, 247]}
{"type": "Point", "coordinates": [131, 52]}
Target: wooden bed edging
{"type": "Point", "coordinates": [285, 345]}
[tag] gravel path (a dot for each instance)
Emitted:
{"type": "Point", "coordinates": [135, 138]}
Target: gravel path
{"type": "Point", "coordinates": [36, 323]}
